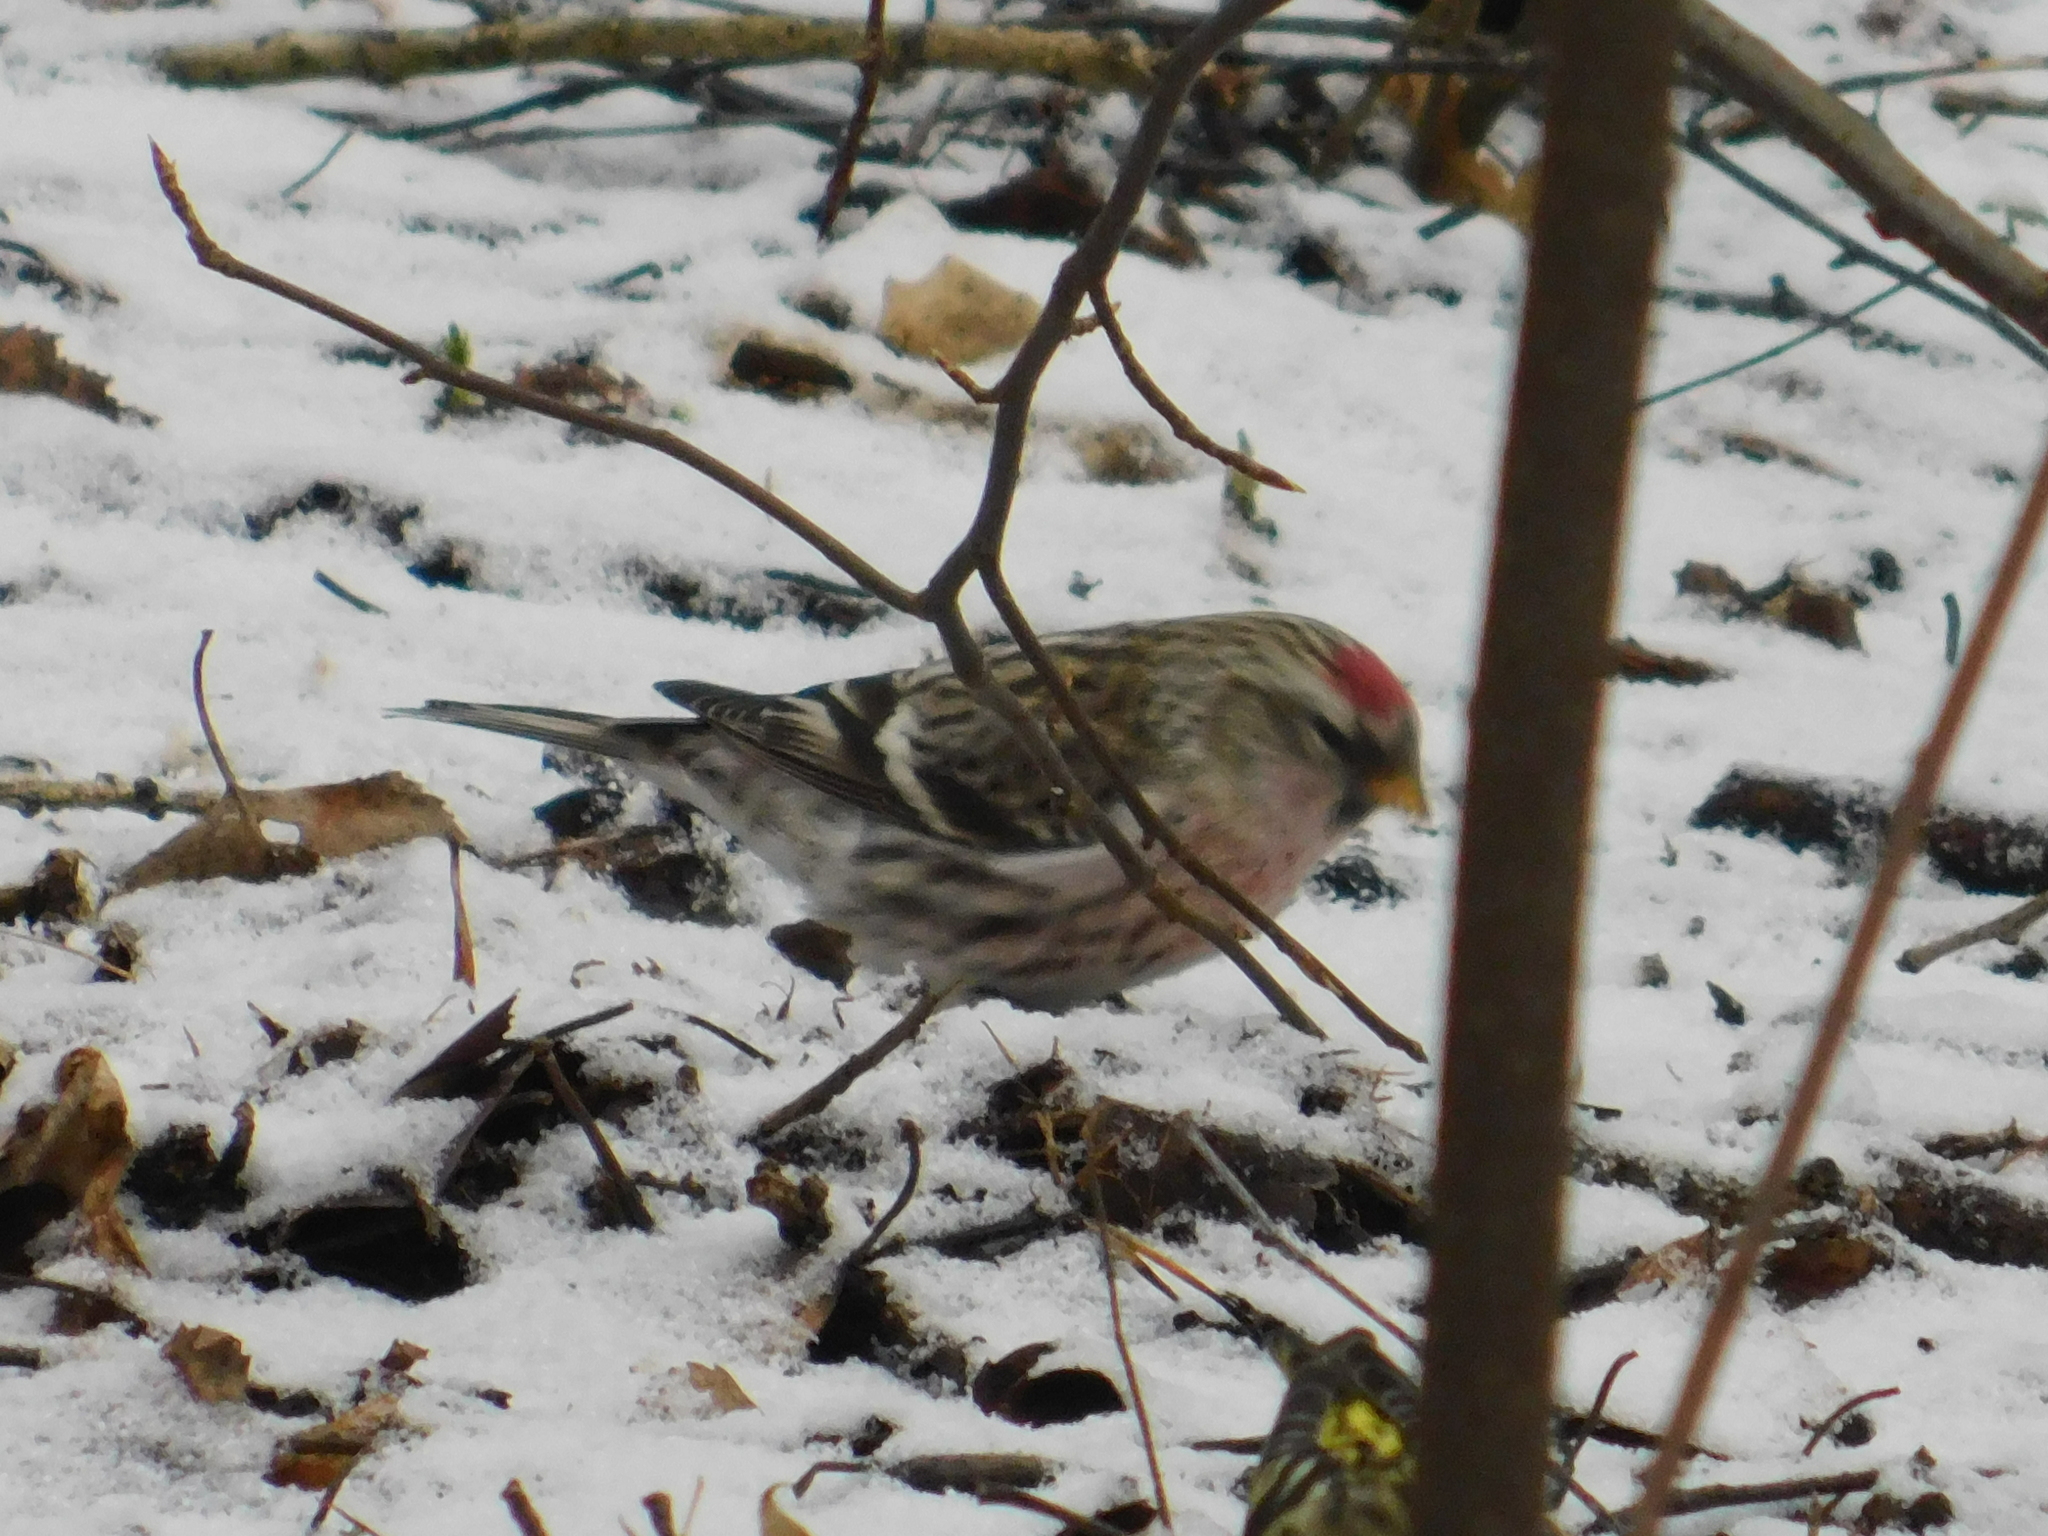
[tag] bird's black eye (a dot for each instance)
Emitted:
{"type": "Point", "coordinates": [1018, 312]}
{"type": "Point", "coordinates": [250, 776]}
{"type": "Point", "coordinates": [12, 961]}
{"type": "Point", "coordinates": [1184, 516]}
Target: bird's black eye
{"type": "Point", "coordinates": [1335, 738]}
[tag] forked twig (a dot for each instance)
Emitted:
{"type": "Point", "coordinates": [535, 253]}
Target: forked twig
{"type": "Point", "coordinates": [1175, 418]}
{"type": "Point", "coordinates": [1902, 844]}
{"type": "Point", "coordinates": [874, 53]}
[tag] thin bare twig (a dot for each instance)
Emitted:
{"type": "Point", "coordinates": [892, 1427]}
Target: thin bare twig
{"type": "Point", "coordinates": [1820, 1430]}
{"type": "Point", "coordinates": [874, 54]}
{"type": "Point", "coordinates": [1277, 1235]}
{"type": "Point", "coordinates": [465, 941]}
{"type": "Point", "coordinates": [2009, 929]}
{"type": "Point", "coordinates": [624, 1190]}
{"type": "Point", "coordinates": [145, 797]}
{"type": "Point", "coordinates": [730, 1039]}
{"type": "Point", "coordinates": [65, 949]}
{"type": "Point", "coordinates": [1686, 1501]}
{"type": "Point", "coordinates": [1174, 417]}
{"type": "Point", "coordinates": [1902, 844]}
{"type": "Point", "coordinates": [1018, 1498]}
{"type": "Point", "coordinates": [430, 364]}
{"type": "Point", "coordinates": [1156, 830]}
{"type": "Point", "coordinates": [220, 753]}
{"type": "Point", "coordinates": [850, 1071]}
{"type": "Point", "coordinates": [913, 1142]}
{"type": "Point", "coordinates": [1123, 1353]}
{"type": "Point", "coordinates": [1698, 145]}
{"type": "Point", "coordinates": [1823, 328]}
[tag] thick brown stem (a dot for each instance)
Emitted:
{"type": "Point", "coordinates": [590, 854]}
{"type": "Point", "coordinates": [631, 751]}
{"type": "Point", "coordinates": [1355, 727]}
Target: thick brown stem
{"type": "Point", "coordinates": [1502, 1145]}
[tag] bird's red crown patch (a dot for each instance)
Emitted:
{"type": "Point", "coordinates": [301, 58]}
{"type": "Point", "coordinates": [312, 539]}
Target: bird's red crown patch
{"type": "Point", "coordinates": [1368, 683]}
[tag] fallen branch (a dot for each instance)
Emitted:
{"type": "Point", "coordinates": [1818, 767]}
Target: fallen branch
{"type": "Point", "coordinates": [32, 794]}
{"type": "Point", "coordinates": [1113, 62]}
{"type": "Point", "coordinates": [2009, 929]}
{"type": "Point", "coordinates": [1686, 1501]}
{"type": "Point", "coordinates": [1904, 203]}
{"type": "Point", "coordinates": [1955, 102]}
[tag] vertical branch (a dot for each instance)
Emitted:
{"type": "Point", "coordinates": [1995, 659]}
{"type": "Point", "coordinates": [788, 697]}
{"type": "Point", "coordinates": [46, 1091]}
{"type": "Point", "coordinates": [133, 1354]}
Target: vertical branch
{"type": "Point", "coordinates": [1902, 843]}
{"type": "Point", "coordinates": [1502, 1138]}
{"type": "Point", "coordinates": [874, 51]}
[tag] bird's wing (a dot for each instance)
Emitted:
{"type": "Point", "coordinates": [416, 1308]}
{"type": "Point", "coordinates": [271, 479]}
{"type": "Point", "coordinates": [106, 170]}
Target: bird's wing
{"type": "Point", "coordinates": [913, 748]}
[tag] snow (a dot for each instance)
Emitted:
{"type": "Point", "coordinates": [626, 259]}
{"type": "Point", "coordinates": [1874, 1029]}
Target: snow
{"type": "Point", "coordinates": [125, 541]}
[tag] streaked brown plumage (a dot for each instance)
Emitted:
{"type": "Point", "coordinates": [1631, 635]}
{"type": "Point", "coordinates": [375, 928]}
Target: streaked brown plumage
{"type": "Point", "coordinates": [912, 819]}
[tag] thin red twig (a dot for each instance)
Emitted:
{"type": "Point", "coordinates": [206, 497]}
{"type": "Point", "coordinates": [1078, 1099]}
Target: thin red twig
{"type": "Point", "coordinates": [1820, 1430]}
{"type": "Point", "coordinates": [1177, 419]}
{"type": "Point", "coordinates": [1902, 845]}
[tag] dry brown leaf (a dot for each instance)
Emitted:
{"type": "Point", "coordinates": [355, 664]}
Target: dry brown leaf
{"type": "Point", "coordinates": [956, 311]}
{"type": "Point", "coordinates": [334, 820]}
{"type": "Point", "coordinates": [79, 1146]}
{"type": "Point", "coordinates": [774, 1521]}
{"type": "Point", "coordinates": [58, 891]}
{"type": "Point", "coordinates": [212, 1362]}
{"type": "Point", "coordinates": [32, 363]}
{"type": "Point", "coordinates": [717, 1383]}
{"type": "Point", "coordinates": [316, 1459]}
{"type": "Point", "coordinates": [1676, 1263]}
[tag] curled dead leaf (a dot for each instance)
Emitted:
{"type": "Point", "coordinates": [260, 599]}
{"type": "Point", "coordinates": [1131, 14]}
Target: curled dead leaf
{"type": "Point", "coordinates": [32, 362]}
{"type": "Point", "coordinates": [717, 1383]}
{"type": "Point", "coordinates": [212, 1363]}
{"type": "Point", "coordinates": [316, 1459]}
{"type": "Point", "coordinates": [774, 1520]}
{"type": "Point", "coordinates": [70, 1154]}
{"type": "Point", "coordinates": [333, 820]}
{"type": "Point", "coordinates": [59, 891]}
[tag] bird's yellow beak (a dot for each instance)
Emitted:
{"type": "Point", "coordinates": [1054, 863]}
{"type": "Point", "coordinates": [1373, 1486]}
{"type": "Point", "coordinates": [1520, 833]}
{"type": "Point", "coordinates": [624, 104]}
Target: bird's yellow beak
{"type": "Point", "coordinates": [1403, 791]}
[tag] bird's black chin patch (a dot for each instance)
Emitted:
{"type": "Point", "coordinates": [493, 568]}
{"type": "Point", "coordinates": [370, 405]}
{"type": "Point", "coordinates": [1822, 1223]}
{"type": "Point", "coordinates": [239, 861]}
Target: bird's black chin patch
{"type": "Point", "coordinates": [1351, 808]}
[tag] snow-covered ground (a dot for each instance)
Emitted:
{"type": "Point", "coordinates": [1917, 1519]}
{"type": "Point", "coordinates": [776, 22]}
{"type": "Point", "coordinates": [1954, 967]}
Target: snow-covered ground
{"type": "Point", "coordinates": [120, 542]}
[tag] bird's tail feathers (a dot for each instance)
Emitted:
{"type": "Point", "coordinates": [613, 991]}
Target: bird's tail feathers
{"type": "Point", "coordinates": [646, 741]}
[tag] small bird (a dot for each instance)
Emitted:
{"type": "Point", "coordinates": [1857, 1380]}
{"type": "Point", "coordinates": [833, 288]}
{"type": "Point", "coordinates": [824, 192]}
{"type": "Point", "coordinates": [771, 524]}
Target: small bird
{"type": "Point", "coordinates": [1340, 1459]}
{"type": "Point", "coordinates": [914, 822]}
